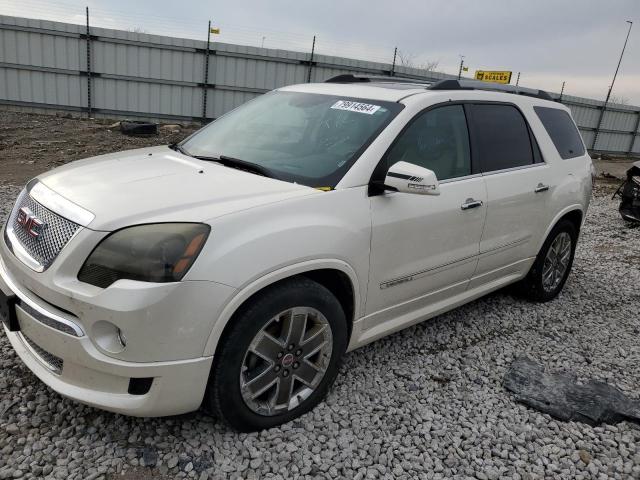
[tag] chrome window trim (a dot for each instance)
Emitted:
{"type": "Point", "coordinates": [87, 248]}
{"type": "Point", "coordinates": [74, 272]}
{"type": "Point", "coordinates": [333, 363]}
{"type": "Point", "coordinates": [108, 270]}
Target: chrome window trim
{"type": "Point", "coordinates": [24, 298]}
{"type": "Point", "coordinates": [459, 179]}
{"type": "Point", "coordinates": [59, 204]}
{"type": "Point", "coordinates": [513, 169]}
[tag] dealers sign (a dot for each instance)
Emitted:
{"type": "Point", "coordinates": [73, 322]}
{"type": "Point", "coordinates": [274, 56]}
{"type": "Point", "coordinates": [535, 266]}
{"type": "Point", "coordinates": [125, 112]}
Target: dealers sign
{"type": "Point", "coordinates": [493, 76]}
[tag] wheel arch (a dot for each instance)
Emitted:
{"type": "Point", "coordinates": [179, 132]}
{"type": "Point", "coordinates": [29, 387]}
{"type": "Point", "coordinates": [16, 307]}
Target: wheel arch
{"type": "Point", "coordinates": [335, 275]}
{"type": "Point", "coordinates": [573, 213]}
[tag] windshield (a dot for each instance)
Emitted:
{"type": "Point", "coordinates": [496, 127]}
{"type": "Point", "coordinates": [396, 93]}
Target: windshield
{"type": "Point", "coordinates": [305, 138]}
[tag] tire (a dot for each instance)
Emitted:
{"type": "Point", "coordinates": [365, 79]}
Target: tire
{"type": "Point", "coordinates": [138, 129]}
{"type": "Point", "coordinates": [533, 286]}
{"type": "Point", "coordinates": [233, 380]}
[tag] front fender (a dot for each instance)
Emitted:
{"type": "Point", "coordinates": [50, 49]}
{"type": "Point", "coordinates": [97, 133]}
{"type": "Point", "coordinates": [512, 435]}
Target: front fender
{"type": "Point", "coordinates": [270, 278]}
{"type": "Point", "coordinates": [251, 249]}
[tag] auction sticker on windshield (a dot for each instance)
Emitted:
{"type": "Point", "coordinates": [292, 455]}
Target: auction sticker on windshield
{"type": "Point", "coordinates": [355, 107]}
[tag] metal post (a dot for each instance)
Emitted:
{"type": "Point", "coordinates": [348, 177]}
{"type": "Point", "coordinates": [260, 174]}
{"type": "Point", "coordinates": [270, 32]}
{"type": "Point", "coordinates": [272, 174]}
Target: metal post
{"type": "Point", "coordinates": [313, 49]}
{"type": "Point", "coordinates": [561, 92]}
{"type": "Point", "coordinates": [461, 65]}
{"type": "Point", "coordinates": [606, 100]}
{"type": "Point", "coordinates": [89, 109]}
{"type": "Point", "coordinates": [393, 65]}
{"type": "Point", "coordinates": [634, 134]}
{"type": "Point", "coordinates": [206, 77]}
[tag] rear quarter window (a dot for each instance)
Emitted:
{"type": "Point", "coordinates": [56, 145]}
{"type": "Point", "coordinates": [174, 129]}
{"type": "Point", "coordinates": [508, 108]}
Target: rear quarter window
{"type": "Point", "coordinates": [562, 130]}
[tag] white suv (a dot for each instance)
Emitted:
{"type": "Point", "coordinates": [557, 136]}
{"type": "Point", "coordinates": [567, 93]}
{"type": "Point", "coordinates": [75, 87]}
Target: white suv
{"type": "Point", "coordinates": [235, 269]}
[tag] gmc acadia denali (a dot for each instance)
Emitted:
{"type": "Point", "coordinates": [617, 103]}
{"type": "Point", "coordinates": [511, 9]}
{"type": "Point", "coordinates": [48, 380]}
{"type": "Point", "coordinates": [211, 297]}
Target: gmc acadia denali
{"type": "Point", "coordinates": [234, 270]}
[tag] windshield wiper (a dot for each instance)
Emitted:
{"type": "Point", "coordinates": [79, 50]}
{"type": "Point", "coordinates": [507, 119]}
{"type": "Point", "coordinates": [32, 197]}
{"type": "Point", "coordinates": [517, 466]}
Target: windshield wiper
{"type": "Point", "coordinates": [240, 165]}
{"type": "Point", "coordinates": [178, 148]}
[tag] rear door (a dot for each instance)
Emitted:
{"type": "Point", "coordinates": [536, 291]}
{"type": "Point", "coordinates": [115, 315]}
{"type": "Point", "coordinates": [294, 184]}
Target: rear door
{"type": "Point", "coordinates": [518, 183]}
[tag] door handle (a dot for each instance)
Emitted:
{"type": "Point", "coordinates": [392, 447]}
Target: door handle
{"type": "Point", "coordinates": [471, 203]}
{"type": "Point", "coordinates": [541, 188]}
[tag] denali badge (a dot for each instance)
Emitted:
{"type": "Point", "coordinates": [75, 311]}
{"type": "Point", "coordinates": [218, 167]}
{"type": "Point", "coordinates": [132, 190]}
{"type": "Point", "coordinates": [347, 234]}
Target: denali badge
{"type": "Point", "coordinates": [32, 224]}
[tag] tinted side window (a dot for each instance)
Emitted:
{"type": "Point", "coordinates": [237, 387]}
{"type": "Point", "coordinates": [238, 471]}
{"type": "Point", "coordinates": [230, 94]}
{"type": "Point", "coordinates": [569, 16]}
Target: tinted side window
{"type": "Point", "coordinates": [438, 140]}
{"type": "Point", "coordinates": [502, 137]}
{"type": "Point", "coordinates": [562, 130]}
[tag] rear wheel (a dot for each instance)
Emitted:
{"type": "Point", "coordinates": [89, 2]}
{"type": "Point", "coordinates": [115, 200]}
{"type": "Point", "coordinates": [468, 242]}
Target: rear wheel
{"type": "Point", "coordinates": [551, 269]}
{"type": "Point", "coordinates": [279, 357]}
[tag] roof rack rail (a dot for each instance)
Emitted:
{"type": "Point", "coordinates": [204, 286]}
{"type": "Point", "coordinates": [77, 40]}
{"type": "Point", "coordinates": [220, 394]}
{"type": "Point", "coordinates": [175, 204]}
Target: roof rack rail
{"type": "Point", "coordinates": [494, 87]}
{"type": "Point", "coordinates": [351, 78]}
{"type": "Point", "coordinates": [443, 84]}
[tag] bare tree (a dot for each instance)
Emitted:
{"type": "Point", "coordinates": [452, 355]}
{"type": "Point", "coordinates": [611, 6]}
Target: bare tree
{"type": "Point", "coordinates": [429, 65]}
{"type": "Point", "coordinates": [405, 59]}
{"type": "Point", "coordinates": [619, 99]}
{"type": "Point", "coordinates": [409, 60]}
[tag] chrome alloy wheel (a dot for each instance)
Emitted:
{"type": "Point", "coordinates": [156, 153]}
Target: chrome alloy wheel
{"type": "Point", "coordinates": [556, 262]}
{"type": "Point", "coordinates": [286, 361]}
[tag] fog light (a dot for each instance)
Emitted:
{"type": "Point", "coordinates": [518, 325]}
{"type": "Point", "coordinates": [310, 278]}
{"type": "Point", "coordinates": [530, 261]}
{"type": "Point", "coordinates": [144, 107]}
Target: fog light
{"type": "Point", "coordinates": [108, 337]}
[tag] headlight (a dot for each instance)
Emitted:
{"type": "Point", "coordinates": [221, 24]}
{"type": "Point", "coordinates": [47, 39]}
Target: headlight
{"type": "Point", "coordinates": [161, 252]}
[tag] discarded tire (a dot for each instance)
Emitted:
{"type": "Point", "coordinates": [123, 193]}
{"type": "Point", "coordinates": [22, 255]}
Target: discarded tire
{"type": "Point", "coordinates": [138, 129]}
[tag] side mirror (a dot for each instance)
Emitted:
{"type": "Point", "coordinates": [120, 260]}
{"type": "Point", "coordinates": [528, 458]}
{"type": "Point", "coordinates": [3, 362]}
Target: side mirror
{"type": "Point", "coordinates": [409, 178]}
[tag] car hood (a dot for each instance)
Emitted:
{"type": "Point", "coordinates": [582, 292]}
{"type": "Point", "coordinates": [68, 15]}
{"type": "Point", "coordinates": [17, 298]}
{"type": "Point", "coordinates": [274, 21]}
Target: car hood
{"type": "Point", "coordinates": [158, 184]}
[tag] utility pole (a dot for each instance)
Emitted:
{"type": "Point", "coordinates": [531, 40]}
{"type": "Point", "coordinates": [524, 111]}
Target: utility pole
{"type": "Point", "coordinates": [461, 65]}
{"type": "Point", "coordinates": [263, 41]}
{"type": "Point", "coordinates": [393, 65]}
{"type": "Point", "coordinates": [89, 107]}
{"type": "Point", "coordinates": [561, 92]}
{"type": "Point", "coordinates": [518, 79]}
{"type": "Point", "coordinates": [606, 100]}
{"type": "Point", "coordinates": [206, 76]}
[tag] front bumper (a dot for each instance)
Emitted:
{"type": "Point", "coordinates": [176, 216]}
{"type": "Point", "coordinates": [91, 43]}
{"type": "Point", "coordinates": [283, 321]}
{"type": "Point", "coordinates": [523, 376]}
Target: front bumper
{"type": "Point", "coordinates": [178, 387]}
{"type": "Point", "coordinates": [71, 363]}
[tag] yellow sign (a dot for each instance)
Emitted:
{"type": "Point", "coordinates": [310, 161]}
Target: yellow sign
{"type": "Point", "coordinates": [215, 30]}
{"type": "Point", "coordinates": [495, 77]}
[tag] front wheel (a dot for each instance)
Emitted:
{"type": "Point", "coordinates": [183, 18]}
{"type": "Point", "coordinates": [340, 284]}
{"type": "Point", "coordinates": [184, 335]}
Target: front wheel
{"type": "Point", "coordinates": [551, 268]}
{"type": "Point", "coordinates": [279, 357]}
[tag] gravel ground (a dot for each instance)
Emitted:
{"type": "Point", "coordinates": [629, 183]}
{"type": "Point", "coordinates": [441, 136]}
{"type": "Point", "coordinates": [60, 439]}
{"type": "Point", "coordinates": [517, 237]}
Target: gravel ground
{"type": "Point", "coordinates": [426, 402]}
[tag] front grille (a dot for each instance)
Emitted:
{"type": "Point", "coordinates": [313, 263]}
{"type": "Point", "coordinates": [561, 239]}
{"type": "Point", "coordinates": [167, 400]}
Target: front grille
{"type": "Point", "coordinates": [52, 362]}
{"type": "Point", "coordinates": [98, 275]}
{"type": "Point", "coordinates": [55, 235]}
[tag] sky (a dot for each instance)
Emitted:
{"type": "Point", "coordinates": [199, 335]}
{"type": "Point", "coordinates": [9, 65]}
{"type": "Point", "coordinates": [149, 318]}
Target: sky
{"type": "Point", "coordinates": [547, 41]}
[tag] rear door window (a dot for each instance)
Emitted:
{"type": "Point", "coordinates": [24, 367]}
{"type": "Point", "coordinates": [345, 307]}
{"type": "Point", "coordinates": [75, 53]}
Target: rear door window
{"type": "Point", "coordinates": [562, 130]}
{"type": "Point", "coordinates": [502, 137]}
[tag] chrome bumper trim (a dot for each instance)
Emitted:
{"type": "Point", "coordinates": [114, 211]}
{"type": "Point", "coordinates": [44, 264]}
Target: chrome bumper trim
{"type": "Point", "coordinates": [49, 360]}
{"type": "Point", "coordinates": [51, 317]}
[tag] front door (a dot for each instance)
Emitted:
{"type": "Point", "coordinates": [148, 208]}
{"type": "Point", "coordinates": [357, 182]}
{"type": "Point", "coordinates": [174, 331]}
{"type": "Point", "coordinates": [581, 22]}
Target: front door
{"type": "Point", "coordinates": [424, 248]}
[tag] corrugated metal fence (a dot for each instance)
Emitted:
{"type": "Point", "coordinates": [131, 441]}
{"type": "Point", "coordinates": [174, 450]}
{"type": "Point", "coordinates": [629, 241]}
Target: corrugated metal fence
{"type": "Point", "coordinates": [113, 73]}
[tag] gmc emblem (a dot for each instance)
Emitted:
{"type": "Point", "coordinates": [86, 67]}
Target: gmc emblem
{"type": "Point", "coordinates": [32, 224]}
